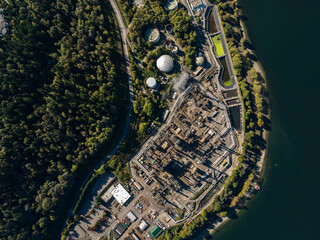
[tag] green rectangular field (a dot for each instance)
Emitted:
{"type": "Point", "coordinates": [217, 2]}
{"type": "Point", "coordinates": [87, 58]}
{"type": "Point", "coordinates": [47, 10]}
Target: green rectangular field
{"type": "Point", "coordinates": [218, 45]}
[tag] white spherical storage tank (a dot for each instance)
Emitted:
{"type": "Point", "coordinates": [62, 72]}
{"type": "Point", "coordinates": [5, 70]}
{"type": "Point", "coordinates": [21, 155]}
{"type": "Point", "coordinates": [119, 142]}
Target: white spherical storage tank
{"type": "Point", "coordinates": [151, 82]}
{"type": "Point", "coordinates": [165, 63]}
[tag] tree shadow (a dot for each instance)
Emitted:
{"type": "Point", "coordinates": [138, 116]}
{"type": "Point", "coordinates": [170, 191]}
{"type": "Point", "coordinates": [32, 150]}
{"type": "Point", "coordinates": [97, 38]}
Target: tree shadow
{"type": "Point", "coordinates": [243, 18]}
{"type": "Point", "coordinates": [253, 57]}
{"type": "Point", "coordinates": [232, 213]}
{"type": "Point", "coordinates": [176, 68]}
{"type": "Point", "coordinates": [248, 45]}
{"type": "Point", "coordinates": [180, 53]}
{"type": "Point", "coordinates": [162, 39]}
{"type": "Point", "coordinates": [267, 123]}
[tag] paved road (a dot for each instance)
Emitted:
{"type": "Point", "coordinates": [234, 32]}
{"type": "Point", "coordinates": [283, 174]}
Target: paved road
{"type": "Point", "coordinates": [123, 32]}
{"type": "Point", "coordinates": [124, 35]}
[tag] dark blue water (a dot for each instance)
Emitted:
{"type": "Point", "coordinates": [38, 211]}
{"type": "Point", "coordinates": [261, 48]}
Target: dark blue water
{"type": "Point", "coordinates": [286, 36]}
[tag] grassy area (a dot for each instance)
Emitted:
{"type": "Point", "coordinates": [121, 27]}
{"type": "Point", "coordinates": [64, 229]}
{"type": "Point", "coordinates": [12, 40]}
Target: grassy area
{"type": "Point", "coordinates": [218, 45]}
{"type": "Point", "coordinates": [226, 75]}
{"type": "Point", "coordinates": [227, 83]}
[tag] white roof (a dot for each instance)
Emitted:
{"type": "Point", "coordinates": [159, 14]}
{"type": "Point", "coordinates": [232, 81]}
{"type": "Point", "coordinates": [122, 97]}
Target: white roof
{"type": "Point", "coordinates": [108, 193]}
{"type": "Point", "coordinates": [151, 82]}
{"type": "Point", "coordinates": [143, 225]}
{"type": "Point", "coordinates": [131, 216]}
{"type": "Point", "coordinates": [165, 63]}
{"type": "Point", "coordinates": [120, 194]}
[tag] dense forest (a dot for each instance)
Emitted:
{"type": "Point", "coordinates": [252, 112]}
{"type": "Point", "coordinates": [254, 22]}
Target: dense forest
{"type": "Point", "coordinates": [60, 105]}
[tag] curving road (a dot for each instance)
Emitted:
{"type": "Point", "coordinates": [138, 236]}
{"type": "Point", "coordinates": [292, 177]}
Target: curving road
{"type": "Point", "coordinates": [123, 32]}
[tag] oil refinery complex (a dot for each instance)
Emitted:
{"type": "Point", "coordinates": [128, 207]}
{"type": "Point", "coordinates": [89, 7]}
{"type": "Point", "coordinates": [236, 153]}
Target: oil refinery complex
{"type": "Point", "coordinates": [185, 162]}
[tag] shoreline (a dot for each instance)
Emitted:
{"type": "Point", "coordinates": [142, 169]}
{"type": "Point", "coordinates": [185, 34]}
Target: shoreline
{"type": "Point", "coordinates": [259, 68]}
{"type": "Point", "coordinates": [257, 65]}
{"type": "Point", "coordinates": [261, 163]}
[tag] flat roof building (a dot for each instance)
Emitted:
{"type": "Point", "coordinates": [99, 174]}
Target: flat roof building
{"type": "Point", "coordinates": [143, 225]}
{"type": "Point", "coordinates": [134, 236]}
{"type": "Point", "coordinates": [155, 231]}
{"type": "Point", "coordinates": [118, 230]}
{"type": "Point", "coordinates": [131, 216]}
{"type": "Point", "coordinates": [120, 194]}
{"type": "Point", "coordinates": [138, 185]}
{"type": "Point", "coordinates": [108, 195]}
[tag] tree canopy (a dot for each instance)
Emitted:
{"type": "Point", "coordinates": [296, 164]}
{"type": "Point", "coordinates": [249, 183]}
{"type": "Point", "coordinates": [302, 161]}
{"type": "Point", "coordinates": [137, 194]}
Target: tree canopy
{"type": "Point", "coordinates": [59, 106]}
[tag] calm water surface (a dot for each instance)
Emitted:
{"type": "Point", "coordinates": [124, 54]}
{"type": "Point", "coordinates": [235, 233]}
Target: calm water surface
{"type": "Point", "coordinates": [286, 35]}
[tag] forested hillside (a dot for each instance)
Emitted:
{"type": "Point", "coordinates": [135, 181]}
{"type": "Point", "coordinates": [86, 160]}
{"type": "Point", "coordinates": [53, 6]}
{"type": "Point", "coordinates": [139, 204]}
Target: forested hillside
{"type": "Point", "coordinates": [60, 105]}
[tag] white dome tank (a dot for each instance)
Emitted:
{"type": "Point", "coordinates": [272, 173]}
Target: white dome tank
{"type": "Point", "coordinates": [165, 63]}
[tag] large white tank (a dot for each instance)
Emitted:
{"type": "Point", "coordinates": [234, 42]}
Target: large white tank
{"type": "Point", "coordinates": [165, 63]}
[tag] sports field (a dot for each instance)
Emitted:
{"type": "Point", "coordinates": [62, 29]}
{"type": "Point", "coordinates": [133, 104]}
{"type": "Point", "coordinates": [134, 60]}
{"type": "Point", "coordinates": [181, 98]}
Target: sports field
{"type": "Point", "coordinates": [218, 45]}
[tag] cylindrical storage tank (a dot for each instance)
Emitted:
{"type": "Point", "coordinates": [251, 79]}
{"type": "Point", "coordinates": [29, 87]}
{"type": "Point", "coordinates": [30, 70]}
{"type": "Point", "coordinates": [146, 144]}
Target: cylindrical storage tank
{"type": "Point", "coordinates": [169, 29]}
{"type": "Point", "coordinates": [175, 49]}
{"type": "Point", "coordinates": [151, 82]}
{"type": "Point", "coordinates": [200, 61]}
{"type": "Point", "coordinates": [168, 43]}
{"type": "Point", "coordinates": [170, 5]}
{"type": "Point", "coordinates": [165, 63]}
{"type": "Point", "coordinates": [152, 35]}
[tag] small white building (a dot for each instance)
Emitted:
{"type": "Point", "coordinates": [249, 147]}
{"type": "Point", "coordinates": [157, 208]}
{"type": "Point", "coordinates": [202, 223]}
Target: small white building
{"type": "Point", "coordinates": [131, 216]}
{"type": "Point", "coordinates": [108, 195]}
{"type": "Point", "coordinates": [120, 194]}
{"type": "Point", "coordinates": [143, 225]}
